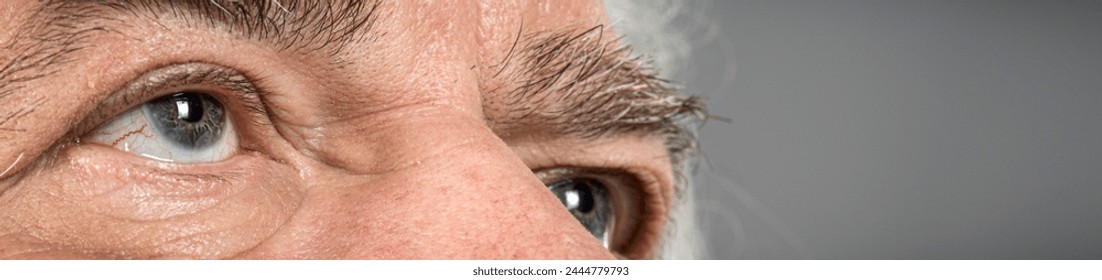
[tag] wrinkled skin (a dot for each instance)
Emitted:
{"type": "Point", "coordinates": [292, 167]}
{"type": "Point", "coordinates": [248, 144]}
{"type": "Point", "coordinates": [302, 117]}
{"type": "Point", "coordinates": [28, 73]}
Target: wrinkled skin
{"type": "Point", "coordinates": [390, 155]}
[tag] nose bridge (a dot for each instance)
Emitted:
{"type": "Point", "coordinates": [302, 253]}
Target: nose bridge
{"type": "Point", "coordinates": [477, 199]}
{"type": "Point", "coordinates": [464, 194]}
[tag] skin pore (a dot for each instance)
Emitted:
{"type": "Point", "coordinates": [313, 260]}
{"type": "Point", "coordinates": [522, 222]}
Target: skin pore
{"type": "Point", "coordinates": [360, 129]}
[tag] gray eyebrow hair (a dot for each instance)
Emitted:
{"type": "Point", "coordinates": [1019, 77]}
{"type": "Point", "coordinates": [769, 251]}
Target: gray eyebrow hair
{"type": "Point", "coordinates": [581, 84]}
{"type": "Point", "coordinates": [45, 41]}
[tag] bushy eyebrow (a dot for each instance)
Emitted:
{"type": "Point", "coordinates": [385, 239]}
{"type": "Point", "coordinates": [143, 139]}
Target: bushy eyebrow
{"type": "Point", "coordinates": [45, 41]}
{"type": "Point", "coordinates": [303, 26]}
{"type": "Point", "coordinates": [582, 84]}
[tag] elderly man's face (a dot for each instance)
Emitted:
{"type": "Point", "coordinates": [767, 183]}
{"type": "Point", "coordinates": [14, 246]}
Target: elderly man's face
{"type": "Point", "coordinates": [297, 129]}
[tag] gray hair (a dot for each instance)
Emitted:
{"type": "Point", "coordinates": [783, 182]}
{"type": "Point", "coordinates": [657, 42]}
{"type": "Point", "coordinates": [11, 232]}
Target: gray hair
{"type": "Point", "coordinates": [652, 29]}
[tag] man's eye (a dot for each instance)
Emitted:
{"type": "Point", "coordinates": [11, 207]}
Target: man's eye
{"type": "Point", "coordinates": [184, 127]}
{"type": "Point", "coordinates": [588, 200]}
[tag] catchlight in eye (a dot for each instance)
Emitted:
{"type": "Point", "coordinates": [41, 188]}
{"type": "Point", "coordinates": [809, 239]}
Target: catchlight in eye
{"type": "Point", "coordinates": [183, 127]}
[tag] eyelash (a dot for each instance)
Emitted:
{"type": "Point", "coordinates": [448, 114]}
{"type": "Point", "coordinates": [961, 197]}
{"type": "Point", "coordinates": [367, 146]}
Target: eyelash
{"type": "Point", "coordinates": [233, 89]}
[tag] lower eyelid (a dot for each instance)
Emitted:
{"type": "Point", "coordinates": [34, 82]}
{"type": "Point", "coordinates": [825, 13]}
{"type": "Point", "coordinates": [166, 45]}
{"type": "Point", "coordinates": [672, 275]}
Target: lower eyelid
{"type": "Point", "coordinates": [115, 167]}
{"type": "Point", "coordinates": [144, 202]}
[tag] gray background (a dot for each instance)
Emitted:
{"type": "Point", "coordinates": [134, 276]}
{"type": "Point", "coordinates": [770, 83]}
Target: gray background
{"type": "Point", "coordinates": [899, 129]}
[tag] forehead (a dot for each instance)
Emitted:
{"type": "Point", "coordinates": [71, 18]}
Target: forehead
{"type": "Point", "coordinates": [490, 25]}
{"type": "Point", "coordinates": [384, 46]}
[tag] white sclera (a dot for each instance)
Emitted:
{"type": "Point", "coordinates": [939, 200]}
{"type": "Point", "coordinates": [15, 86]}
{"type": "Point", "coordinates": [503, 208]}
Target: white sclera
{"type": "Point", "coordinates": [132, 132]}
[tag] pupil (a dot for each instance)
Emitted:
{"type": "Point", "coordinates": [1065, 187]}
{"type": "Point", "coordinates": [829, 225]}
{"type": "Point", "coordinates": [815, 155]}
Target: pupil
{"type": "Point", "coordinates": [588, 201]}
{"type": "Point", "coordinates": [189, 107]}
{"type": "Point", "coordinates": [191, 120]}
{"type": "Point", "coordinates": [585, 197]}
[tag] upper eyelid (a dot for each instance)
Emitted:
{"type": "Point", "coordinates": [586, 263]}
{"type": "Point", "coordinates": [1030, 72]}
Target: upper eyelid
{"type": "Point", "coordinates": [196, 76]}
{"type": "Point", "coordinates": [559, 172]}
